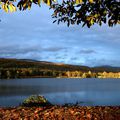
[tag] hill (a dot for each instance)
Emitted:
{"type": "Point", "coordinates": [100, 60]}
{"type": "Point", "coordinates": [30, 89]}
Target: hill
{"type": "Point", "coordinates": [29, 63]}
{"type": "Point", "coordinates": [26, 63]}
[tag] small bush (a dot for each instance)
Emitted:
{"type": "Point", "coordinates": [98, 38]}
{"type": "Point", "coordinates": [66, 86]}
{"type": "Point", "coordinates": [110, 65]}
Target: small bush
{"type": "Point", "coordinates": [36, 100]}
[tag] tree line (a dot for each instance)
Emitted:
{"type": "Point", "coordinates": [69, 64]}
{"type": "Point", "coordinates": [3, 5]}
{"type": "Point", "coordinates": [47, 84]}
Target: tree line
{"type": "Point", "coordinates": [38, 73]}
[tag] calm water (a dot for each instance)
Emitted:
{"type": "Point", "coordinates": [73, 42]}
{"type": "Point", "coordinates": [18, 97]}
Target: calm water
{"type": "Point", "coordinates": [61, 91]}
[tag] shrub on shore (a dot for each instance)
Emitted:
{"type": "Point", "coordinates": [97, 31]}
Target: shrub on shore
{"type": "Point", "coordinates": [36, 100]}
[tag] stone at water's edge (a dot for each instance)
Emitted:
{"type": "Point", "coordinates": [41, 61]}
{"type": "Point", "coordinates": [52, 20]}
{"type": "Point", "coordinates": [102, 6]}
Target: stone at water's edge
{"type": "Point", "coordinates": [36, 100]}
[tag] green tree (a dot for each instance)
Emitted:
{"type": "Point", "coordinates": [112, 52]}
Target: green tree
{"type": "Point", "coordinates": [85, 12]}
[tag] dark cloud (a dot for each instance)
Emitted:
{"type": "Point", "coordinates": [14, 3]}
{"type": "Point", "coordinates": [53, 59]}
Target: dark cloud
{"type": "Point", "coordinates": [74, 58]}
{"type": "Point", "coordinates": [14, 49]}
{"type": "Point", "coordinates": [54, 49]}
{"type": "Point", "coordinates": [17, 49]}
{"type": "Point", "coordinates": [87, 51]}
{"type": "Point", "coordinates": [59, 57]}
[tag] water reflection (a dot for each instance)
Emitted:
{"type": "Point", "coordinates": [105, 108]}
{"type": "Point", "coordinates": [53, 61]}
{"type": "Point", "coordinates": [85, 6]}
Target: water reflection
{"type": "Point", "coordinates": [61, 91]}
{"type": "Point", "coordinates": [90, 98]}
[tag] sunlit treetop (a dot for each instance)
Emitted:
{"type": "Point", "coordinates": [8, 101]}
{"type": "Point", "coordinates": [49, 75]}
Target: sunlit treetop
{"type": "Point", "coordinates": [9, 5]}
{"type": "Point", "coordinates": [85, 12]}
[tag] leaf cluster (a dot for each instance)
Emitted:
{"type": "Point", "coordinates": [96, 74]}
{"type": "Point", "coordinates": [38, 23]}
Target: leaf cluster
{"type": "Point", "coordinates": [8, 5]}
{"type": "Point", "coordinates": [87, 12]}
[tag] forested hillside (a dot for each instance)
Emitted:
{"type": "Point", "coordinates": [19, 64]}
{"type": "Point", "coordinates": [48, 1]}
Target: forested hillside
{"type": "Point", "coordinates": [22, 68]}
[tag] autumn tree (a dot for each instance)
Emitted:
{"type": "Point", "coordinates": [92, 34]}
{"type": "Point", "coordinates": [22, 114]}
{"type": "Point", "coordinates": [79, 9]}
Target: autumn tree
{"type": "Point", "coordinates": [85, 12]}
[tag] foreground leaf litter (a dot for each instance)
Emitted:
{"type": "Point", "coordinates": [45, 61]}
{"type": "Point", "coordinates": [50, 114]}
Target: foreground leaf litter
{"type": "Point", "coordinates": [60, 113]}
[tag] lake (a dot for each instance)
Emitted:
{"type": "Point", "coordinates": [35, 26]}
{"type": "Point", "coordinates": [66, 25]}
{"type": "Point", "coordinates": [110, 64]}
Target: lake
{"type": "Point", "coordinates": [89, 91]}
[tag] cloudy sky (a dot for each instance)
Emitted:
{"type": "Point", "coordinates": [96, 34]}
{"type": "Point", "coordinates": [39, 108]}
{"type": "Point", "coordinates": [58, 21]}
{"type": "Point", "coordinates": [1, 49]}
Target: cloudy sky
{"type": "Point", "coordinates": [32, 35]}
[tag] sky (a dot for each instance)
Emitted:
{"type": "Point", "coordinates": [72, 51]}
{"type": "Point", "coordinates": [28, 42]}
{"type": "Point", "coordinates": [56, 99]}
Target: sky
{"type": "Point", "coordinates": [32, 35]}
